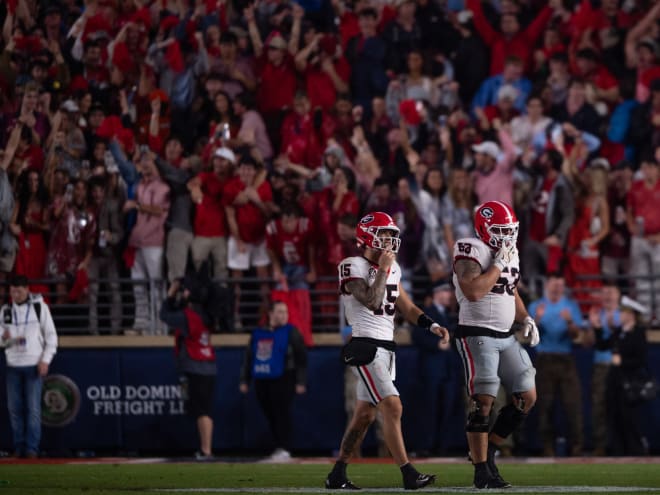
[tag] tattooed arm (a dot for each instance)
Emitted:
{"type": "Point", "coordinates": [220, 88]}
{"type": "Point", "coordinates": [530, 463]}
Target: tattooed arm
{"type": "Point", "coordinates": [474, 283]}
{"type": "Point", "coordinates": [370, 296]}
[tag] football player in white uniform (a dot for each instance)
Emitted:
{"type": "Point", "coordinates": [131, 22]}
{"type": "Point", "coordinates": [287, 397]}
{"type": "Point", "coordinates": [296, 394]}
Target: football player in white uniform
{"type": "Point", "coordinates": [371, 293]}
{"type": "Point", "coordinates": [486, 272]}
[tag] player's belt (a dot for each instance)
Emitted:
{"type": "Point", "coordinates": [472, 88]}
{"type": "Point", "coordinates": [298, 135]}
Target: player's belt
{"type": "Point", "coordinates": [390, 345]}
{"type": "Point", "coordinates": [473, 331]}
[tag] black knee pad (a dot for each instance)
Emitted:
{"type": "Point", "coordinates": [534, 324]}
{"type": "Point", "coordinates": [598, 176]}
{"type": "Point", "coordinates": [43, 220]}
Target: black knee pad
{"type": "Point", "coordinates": [476, 423]}
{"type": "Point", "coordinates": [508, 419]}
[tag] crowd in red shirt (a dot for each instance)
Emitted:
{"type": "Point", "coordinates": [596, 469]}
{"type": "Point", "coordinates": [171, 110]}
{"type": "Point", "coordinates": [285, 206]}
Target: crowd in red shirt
{"type": "Point", "coordinates": [208, 128]}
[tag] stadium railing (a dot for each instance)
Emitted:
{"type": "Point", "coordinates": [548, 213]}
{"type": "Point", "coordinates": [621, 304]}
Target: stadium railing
{"type": "Point", "coordinates": [72, 318]}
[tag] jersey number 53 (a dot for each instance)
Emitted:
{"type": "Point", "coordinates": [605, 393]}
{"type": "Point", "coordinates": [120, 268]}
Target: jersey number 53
{"type": "Point", "coordinates": [504, 284]}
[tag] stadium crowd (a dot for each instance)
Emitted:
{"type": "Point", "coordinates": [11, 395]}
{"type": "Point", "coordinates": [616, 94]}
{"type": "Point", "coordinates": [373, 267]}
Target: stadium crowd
{"type": "Point", "coordinates": [144, 137]}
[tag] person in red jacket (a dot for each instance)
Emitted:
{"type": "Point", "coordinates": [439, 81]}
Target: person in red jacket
{"type": "Point", "coordinates": [510, 39]}
{"type": "Point", "coordinates": [248, 205]}
{"type": "Point", "coordinates": [183, 311]}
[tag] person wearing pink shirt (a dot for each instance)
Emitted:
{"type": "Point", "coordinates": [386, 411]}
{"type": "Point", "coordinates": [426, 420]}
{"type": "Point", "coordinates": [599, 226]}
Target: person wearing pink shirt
{"type": "Point", "coordinates": [152, 204]}
{"type": "Point", "coordinates": [493, 177]}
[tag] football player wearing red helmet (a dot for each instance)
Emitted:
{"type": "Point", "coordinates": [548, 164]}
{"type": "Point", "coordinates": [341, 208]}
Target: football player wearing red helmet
{"type": "Point", "coordinates": [378, 231]}
{"type": "Point", "coordinates": [371, 294]}
{"type": "Point", "coordinates": [496, 224]}
{"type": "Point", "coordinates": [486, 273]}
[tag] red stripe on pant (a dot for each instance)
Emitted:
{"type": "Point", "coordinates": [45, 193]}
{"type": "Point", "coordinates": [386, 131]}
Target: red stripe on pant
{"type": "Point", "coordinates": [471, 363]}
{"type": "Point", "coordinates": [371, 381]}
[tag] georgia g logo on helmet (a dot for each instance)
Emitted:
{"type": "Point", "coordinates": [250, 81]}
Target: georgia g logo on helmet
{"type": "Point", "coordinates": [495, 223]}
{"type": "Point", "coordinates": [487, 212]}
{"type": "Point", "coordinates": [377, 230]}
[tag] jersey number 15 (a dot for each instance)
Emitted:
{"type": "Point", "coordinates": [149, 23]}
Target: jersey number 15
{"type": "Point", "coordinates": [389, 308]}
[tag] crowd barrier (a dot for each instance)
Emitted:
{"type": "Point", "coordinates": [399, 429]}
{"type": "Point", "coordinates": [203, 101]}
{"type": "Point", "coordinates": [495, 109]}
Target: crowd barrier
{"type": "Point", "coordinates": [127, 399]}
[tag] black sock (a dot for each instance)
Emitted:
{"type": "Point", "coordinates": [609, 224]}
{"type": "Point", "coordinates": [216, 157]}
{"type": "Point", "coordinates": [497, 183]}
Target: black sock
{"type": "Point", "coordinates": [481, 467]}
{"type": "Point", "coordinates": [408, 470]}
{"type": "Point", "coordinates": [492, 449]}
{"type": "Point", "coordinates": [339, 470]}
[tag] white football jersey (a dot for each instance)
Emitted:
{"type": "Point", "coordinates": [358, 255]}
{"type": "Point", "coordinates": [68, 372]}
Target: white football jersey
{"type": "Point", "coordinates": [497, 309]}
{"type": "Point", "coordinates": [377, 324]}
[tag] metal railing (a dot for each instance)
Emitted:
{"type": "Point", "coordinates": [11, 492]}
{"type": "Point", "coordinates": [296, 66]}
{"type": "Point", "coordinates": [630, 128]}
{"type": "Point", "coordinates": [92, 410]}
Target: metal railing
{"type": "Point", "coordinates": [74, 318]}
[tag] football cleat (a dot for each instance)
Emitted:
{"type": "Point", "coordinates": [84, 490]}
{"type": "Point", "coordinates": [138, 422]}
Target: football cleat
{"type": "Point", "coordinates": [420, 481]}
{"type": "Point", "coordinates": [492, 467]}
{"type": "Point", "coordinates": [343, 484]}
{"type": "Point", "coordinates": [484, 479]}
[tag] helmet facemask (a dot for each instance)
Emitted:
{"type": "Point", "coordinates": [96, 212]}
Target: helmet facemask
{"type": "Point", "coordinates": [385, 242]}
{"type": "Point", "coordinates": [503, 234]}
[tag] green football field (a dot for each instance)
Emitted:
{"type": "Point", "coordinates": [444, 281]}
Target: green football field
{"type": "Point", "coordinates": [171, 478]}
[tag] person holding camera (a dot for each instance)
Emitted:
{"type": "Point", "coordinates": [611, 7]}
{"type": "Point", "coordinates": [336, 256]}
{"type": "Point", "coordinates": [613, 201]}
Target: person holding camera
{"type": "Point", "coordinates": [184, 312]}
{"type": "Point", "coordinates": [30, 342]}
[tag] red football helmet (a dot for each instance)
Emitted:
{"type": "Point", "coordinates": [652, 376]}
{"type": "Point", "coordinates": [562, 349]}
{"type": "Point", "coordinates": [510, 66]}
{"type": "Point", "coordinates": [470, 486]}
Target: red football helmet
{"type": "Point", "coordinates": [371, 225]}
{"type": "Point", "coordinates": [495, 223]}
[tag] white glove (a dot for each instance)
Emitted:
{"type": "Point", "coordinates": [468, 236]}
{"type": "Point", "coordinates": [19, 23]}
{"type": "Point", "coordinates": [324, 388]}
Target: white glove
{"type": "Point", "coordinates": [531, 328]}
{"type": "Point", "coordinates": [506, 255]}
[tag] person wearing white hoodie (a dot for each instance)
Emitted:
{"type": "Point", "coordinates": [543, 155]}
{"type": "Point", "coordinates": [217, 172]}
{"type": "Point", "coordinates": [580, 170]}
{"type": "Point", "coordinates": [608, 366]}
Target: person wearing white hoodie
{"type": "Point", "coordinates": [30, 341]}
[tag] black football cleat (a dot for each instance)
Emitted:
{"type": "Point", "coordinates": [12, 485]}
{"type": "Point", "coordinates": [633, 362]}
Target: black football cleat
{"type": "Point", "coordinates": [341, 484]}
{"type": "Point", "coordinates": [484, 480]}
{"type": "Point", "coordinates": [494, 472]}
{"type": "Point", "coordinates": [420, 481]}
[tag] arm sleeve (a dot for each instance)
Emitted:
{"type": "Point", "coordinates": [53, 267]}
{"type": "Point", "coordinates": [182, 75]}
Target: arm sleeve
{"type": "Point", "coordinates": [172, 174]}
{"type": "Point", "coordinates": [565, 202]}
{"type": "Point", "coordinates": [246, 367]}
{"type": "Point", "coordinates": [162, 198]}
{"type": "Point", "coordinates": [126, 168]}
{"type": "Point", "coordinates": [352, 269]}
{"type": "Point", "coordinates": [633, 349]}
{"type": "Point", "coordinates": [485, 30]}
{"type": "Point", "coordinates": [509, 149]}
{"type": "Point", "coordinates": [49, 334]}
{"type": "Point", "coordinates": [535, 29]}
{"type": "Point", "coordinates": [299, 356]}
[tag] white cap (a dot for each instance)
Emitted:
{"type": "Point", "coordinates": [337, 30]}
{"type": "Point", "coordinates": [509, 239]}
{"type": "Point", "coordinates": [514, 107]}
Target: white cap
{"type": "Point", "coordinates": [600, 163]}
{"type": "Point", "coordinates": [70, 106]}
{"type": "Point", "coordinates": [629, 303]}
{"type": "Point", "coordinates": [464, 16]}
{"type": "Point", "coordinates": [487, 148]}
{"type": "Point", "coordinates": [507, 91]}
{"type": "Point", "coordinates": [225, 153]}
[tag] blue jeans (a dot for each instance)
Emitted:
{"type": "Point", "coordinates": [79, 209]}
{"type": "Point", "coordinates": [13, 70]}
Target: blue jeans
{"type": "Point", "coordinates": [24, 404]}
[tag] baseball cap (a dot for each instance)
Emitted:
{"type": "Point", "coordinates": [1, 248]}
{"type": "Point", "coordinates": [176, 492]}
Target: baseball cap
{"type": "Point", "coordinates": [487, 148]}
{"type": "Point", "coordinates": [225, 153]}
{"type": "Point", "coordinates": [464, 16]}
{"type": "Point", "coordinates": [277, 41]}
{"type": "Point", "coordinates": [507, 91]}
{"type": "Point", "coordinates": [70, 106]}
{"type": "Point", "coordinates": [629, 303]}
{"type": "Point", "coordinates": [601, 162]}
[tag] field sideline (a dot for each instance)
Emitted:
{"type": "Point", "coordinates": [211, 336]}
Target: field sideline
{"type": "Point", "coordinates": [124, 477]}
